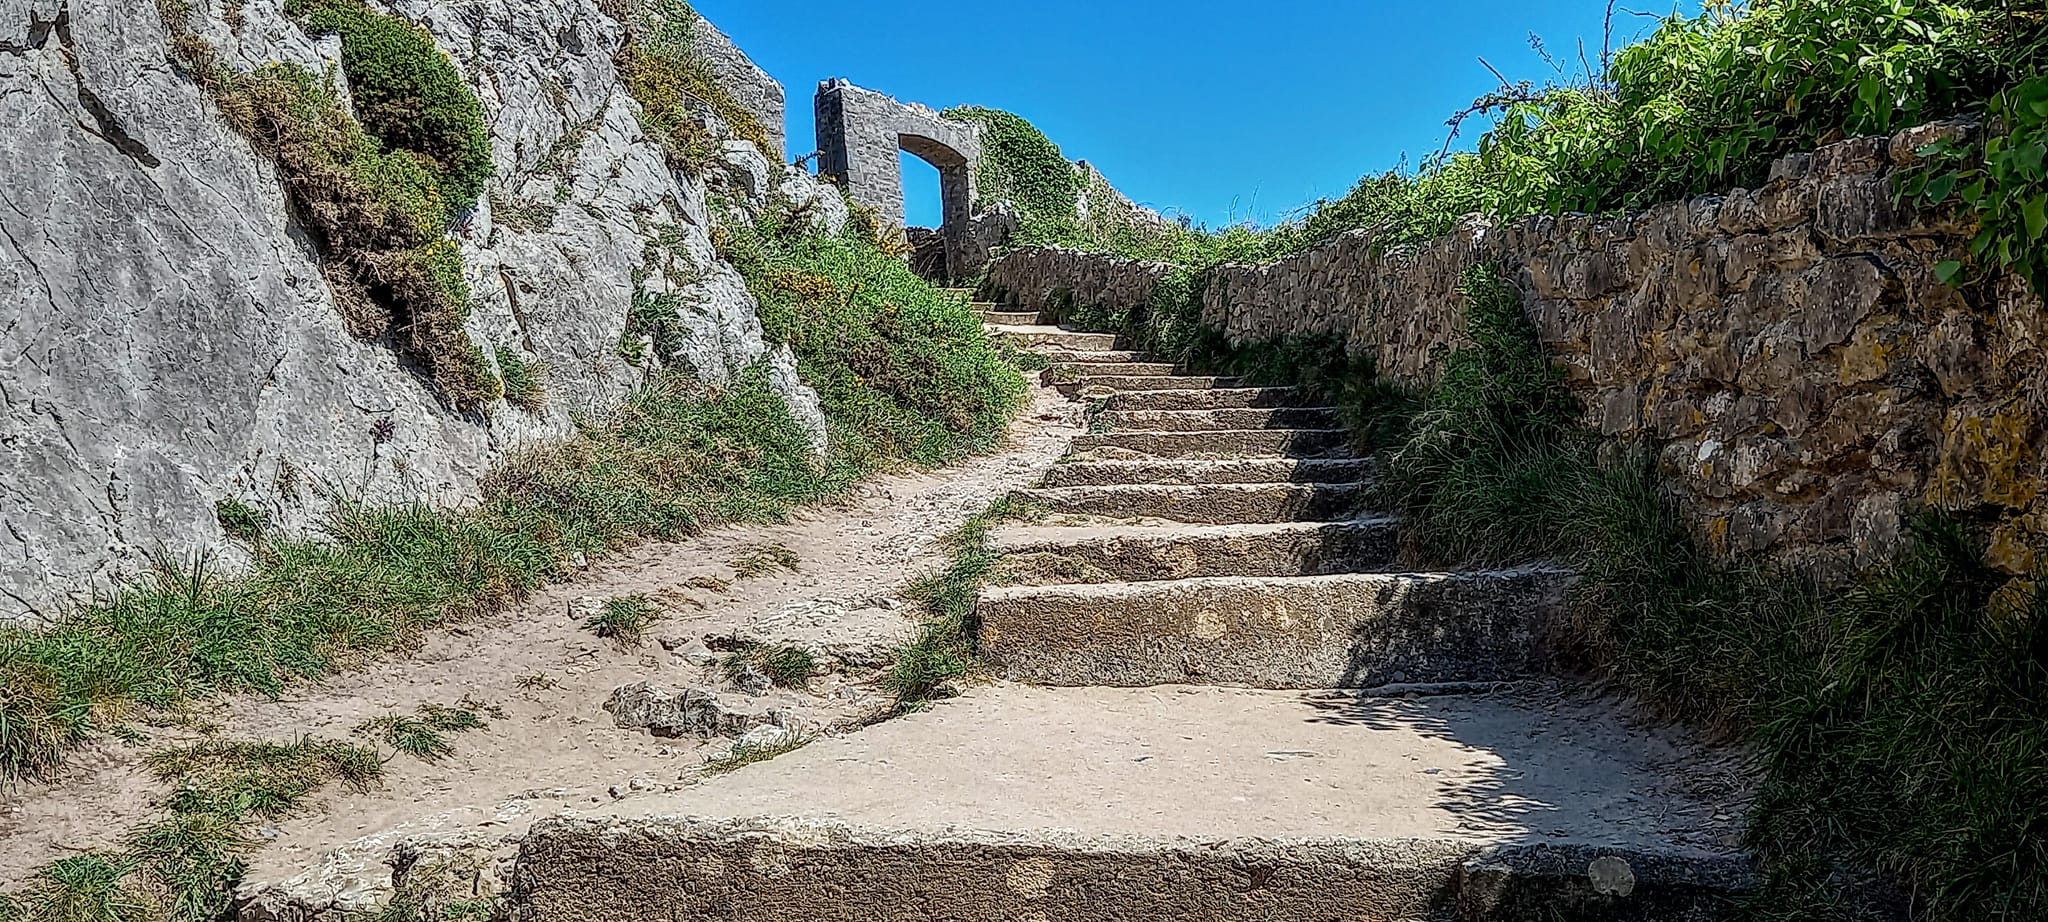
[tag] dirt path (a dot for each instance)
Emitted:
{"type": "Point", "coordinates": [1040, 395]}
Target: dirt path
{"type": "Point", "coordinates": [555, 748]}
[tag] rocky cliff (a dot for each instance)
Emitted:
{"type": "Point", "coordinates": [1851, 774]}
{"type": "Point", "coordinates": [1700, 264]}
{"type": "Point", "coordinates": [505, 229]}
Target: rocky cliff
{"type": "Point", "coordinates": [167, 338]}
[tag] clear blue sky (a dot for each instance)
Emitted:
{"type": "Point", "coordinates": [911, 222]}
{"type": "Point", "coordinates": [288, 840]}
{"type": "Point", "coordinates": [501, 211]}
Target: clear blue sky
{"type": "Point", "coordinates": [1222, 111]}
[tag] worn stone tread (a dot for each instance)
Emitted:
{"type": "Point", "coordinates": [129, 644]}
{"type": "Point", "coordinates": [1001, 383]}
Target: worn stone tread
{"type": "Point", "coordinates": [1195, 473]}
{"type": "Point", "coordinates": [1211, 504]}
{"type": "Point", "coordinates": [1009, 318]}
{"type": "Point", "coordinates": [1248, 443]}
{"type": "Point", "coordinates": [1172, 804]}
{"type": "Point", "coordinates": [1039, 335]}
{"type": "Point", "coordinates": [1087, 385]}
{"type": "Point", "coordinates": [1341, 631]}
{"type": "Point", "coordinates": [1045, 554]}
{"type": "Point", "coordinates": [1217, 420]}
{"type": "Point", "coordinates": [1215, 398]}
{"type": "Point", "coordinates": [1098, 357]}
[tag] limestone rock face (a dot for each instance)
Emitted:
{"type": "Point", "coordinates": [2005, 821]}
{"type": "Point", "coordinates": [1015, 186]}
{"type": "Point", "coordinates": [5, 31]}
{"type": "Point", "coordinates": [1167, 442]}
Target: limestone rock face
{"type": "Point", "coordinates": [167, 340]}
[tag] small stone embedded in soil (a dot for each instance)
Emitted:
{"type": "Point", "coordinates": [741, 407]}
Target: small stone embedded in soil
{"type": "Point", "coordinates": [692, 712]}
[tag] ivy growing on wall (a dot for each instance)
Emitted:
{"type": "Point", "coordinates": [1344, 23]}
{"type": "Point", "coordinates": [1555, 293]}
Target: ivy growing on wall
{"type": "Point", "coordinates": [1020, 165]}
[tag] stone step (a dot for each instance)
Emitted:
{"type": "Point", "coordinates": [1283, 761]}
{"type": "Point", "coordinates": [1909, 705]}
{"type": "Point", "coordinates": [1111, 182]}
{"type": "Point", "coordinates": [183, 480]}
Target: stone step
{"type": "Point", "coordinates": [1068, 372]}
{"type": "Point", "coordinates": [1108, 384]}
{"type": "Point", "coordinates": [1213, 420]}
{"type": "Point", "coordinates": [1105, 357]}
{"type": "Point", "coordinates": [1244, 443]}
{"type": "Point", "coordinates": [1214, 504]}
{"type": "Point", "coordinates": [1251, 470]}
{"type": "Point", "coordinates": [1170, 804]}
{"type": "Point", "coordinates": [1025, 337]}
{"type": "Point", "coordinates": [1008, 318]}
{"type": "Point", "coordinates": [1345, 631]}
{"type": "Point", "coordinates": [1051, 554]}
{"type": "Point", "coordinates": [1237, 398]}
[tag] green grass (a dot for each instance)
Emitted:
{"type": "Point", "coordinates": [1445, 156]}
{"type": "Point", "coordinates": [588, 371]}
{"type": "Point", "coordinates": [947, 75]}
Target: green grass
{"type": "Point", "coordinates": [942, 652]}
{"type": "Point", "coordinates": [785, 666]}
{"type": "Point", "coordinates": [904, 370]}
{"type": "Point", "coordinates": [762, 559]}
{"type": "Point", "coordinates": [742, 755]}
{"type": "Point", "coordinates": [424, 733]}
{"type": "Point", "coordinates": [662, 70]}
{"type": "Point", "coordinates": [623, 620]}
{"type": "Point", "coordinates": [525, 385]}
{"type": "Point", "coordinates": [183, 867]}
{"type": "Point", "coordinates": [241, 521]}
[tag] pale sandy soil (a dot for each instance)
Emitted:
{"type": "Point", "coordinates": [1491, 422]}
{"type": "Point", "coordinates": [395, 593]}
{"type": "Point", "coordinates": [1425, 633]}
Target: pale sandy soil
{"type": "Point", "coordinates": [555, 748]}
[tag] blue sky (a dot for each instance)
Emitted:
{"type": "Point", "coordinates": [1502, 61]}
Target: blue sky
{"type": "Point", "coordinates": [1223, 111]}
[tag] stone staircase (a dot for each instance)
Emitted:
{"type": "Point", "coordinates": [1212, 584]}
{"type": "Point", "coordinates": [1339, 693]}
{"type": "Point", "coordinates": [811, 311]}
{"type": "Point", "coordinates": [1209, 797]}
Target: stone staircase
{"type": "Point", "coordinates": [1218, 698]}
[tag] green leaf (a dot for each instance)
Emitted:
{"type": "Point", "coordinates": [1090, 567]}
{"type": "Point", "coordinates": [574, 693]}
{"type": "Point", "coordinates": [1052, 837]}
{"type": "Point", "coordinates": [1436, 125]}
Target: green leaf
{"type": "Point", "coordinates": [2035, 212]}
{"type": "Point", "coordinates": [1939, 188]}
{"type": "Point", "coordinates": [1947, 270]}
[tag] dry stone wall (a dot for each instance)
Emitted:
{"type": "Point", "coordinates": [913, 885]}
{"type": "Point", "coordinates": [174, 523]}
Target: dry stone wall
{"type": "Point", "coordinates": [1807, 377]}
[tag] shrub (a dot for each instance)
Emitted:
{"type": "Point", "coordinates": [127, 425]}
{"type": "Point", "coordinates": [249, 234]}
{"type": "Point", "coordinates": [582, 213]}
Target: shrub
{"type": "Point", "coordinates": [408, 95]}
{"type": "Point", "coordinates": [904, 371]}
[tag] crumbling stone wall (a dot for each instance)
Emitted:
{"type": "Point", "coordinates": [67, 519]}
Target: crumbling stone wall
{"type": "Point", "coordinates": [751, 87]}
{"type": "Point", "coordinates": [860, 133]}
{"type": "Point", "coordinates": [1789, 347]}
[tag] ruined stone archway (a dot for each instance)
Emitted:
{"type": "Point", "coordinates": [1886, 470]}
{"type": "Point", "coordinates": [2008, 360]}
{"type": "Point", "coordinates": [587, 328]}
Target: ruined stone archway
{"type": "Point", "coordinates": [860, 132]}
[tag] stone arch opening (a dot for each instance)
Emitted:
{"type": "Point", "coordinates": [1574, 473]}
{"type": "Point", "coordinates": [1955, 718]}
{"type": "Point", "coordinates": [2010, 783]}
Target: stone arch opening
{"type": "Point", "coordinates": [861, 136]}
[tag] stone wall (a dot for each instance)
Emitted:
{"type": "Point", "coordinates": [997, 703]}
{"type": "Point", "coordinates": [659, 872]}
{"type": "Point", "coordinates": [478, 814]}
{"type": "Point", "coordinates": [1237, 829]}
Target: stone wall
{"type": "Point", "coordinates": [167, 340]}
{"type": "Point", "coordinates": [759, 94]}
{"type": "Point", "coordinates": [1789, 348]}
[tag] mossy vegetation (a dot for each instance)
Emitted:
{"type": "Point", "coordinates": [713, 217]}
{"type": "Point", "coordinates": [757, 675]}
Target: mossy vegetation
{"type": "Point", "coordinates": [379, 206]}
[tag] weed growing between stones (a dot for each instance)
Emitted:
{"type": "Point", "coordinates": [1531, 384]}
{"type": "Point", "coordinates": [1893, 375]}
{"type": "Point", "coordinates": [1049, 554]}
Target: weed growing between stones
{"type": "Point", "coordinates": [784, 666]}
{"type": "Point", "coordinates": [379, 205]}
{"type": "Point", "coordinates": [623, 620]}
{"type": "Point", "coordinates": [424, 733]}
{"type": "Point", "coordinates": [943, 650]}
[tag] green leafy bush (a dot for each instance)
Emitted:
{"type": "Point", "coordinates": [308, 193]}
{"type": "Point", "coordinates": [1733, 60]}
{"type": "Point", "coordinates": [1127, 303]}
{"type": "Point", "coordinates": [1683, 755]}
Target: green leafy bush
{"type": "Point", "coordinates": [2003, 182]}
{"type": "Point", "coordinates": [904, 370]}
{"type": "Point", "coordinates": [380, 212]}
{"type": "Point", "coordinates": [408, 95]}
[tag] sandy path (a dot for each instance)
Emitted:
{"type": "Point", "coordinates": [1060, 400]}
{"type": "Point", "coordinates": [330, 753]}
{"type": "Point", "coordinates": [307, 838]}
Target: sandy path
{"type": "Point", "coordinates": [555, 748]}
